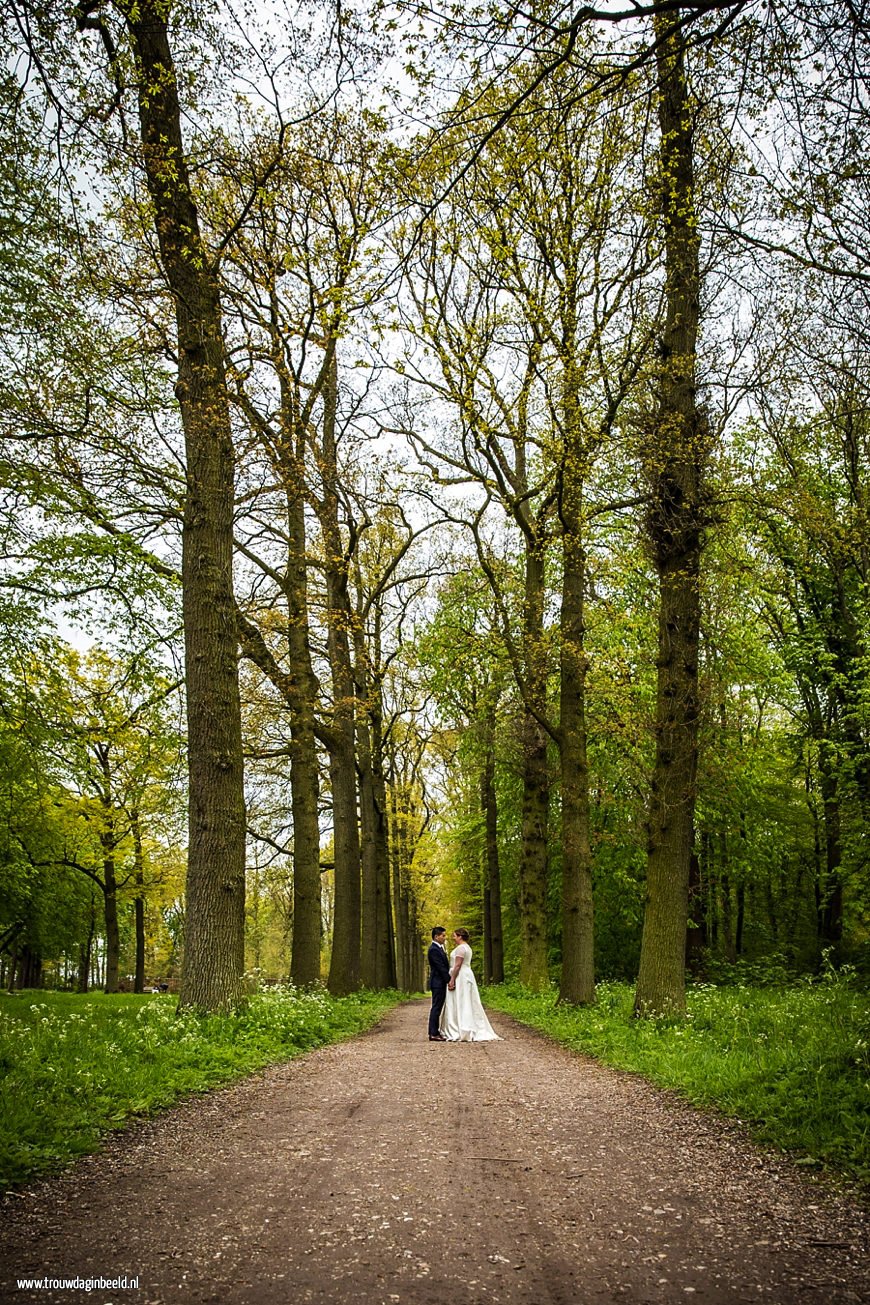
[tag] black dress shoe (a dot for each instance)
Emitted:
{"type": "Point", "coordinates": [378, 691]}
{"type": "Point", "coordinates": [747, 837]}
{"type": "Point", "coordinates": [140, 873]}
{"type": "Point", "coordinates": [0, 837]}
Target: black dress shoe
{"type": "Point", "coordinates": [438, 1037]}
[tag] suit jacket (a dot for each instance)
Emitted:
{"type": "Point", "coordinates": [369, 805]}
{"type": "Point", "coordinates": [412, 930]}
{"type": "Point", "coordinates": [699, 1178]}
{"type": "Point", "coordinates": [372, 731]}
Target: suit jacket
{"type": "Point", "coordinates": [439, 966]}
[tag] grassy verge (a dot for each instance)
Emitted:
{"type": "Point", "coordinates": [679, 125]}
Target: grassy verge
{"type": "Point", "coordinates": [72, 1066]}
{"type": "Point", "coordinates": [793, 1063]}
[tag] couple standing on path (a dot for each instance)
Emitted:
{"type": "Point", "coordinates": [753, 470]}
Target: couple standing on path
{"type": "Point", "coordinates": [457, 1014]}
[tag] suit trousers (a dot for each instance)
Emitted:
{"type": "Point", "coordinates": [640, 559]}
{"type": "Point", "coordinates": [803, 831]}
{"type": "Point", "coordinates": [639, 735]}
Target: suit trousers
{"type": "Point", "coordinates": [439, 992]}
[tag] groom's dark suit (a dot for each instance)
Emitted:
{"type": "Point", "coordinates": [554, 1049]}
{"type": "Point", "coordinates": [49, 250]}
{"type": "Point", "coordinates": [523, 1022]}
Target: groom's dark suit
{"type": "Point", "coordinates": [439, 973]}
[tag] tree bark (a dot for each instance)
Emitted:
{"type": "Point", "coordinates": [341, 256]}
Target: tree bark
{"type": "Point", "coordinates": [830, 925]}
{"type": "Point", "coordinates": [344, 970]}
{"type": "Point", "coordinates": [400, 901]}
{"type": "Point", "coordinates": [405, 818]}
{"type": "Point", "coordinates": [378, 936]}
{"type": "Point", "coordinates": [304, 769]}
{"type": "Point", "coordinates": [138, 903]}
{"type": "Point", "coordinates": [30, 967]}
{"type": "Point", "coordinates": [385, 973]}
{"type": "Point", "coordinates": [215, 913]}
{"type": "Point", "coordinates": [578, 943]}
{"type": "Point", "coordinates": [368, 861]}
{"type": "Point", "coordinates": [494, 942]}
{"type": "Point", "coordinates": [741, 915]}
{"type": "Point", "coordinates": [533, 876]}
{"type": "Point", "coordinates": [85, 952]}
{"type": "Point", "coordinates": [729, 946]}
{"type": "Point", "coordinates": [676, 460]}
{"type": "Point", "coordinates": [695, 934]}
{"type": "Point", "coordinates": [110, 906]}
{"type": "Point", "coordinates": [108, 846]}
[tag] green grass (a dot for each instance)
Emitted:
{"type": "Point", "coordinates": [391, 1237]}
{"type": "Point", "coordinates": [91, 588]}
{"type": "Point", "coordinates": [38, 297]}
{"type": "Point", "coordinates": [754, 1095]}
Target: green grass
{"type": "Point", "coordinates": [792, 1063]}
{"type": "Point", "coordinates": [72, 1067]}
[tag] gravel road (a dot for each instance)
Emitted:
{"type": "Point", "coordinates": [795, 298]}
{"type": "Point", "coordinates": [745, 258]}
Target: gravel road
{"type": "Point", "coordinates": [391, 1169]}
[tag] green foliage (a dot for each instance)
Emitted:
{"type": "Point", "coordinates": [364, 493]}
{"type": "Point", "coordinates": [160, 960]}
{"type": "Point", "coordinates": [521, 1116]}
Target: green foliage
{"type": "Point", "coordinates": [73, 1067]}
{"type": "Point", "coordinates": [90, 752]}
{"type": "Point", "coordinates": [793, 1062]}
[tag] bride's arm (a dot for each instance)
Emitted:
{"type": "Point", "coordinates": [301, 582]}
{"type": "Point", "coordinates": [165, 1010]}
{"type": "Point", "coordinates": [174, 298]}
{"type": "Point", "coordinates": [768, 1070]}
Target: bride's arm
{"type": "Point", "coordinates": [457, 966]}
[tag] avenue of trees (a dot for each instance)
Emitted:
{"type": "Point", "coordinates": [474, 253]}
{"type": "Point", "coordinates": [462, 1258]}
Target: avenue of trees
{"type": "Point", "coordinates": [435, 462]}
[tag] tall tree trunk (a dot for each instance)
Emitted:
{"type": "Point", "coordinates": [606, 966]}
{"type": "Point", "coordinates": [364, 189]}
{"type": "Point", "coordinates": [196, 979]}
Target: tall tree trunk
{"type": "Point", "coordinates": [830, 924]}
{"type": "Point", "coordinates": [728, 944]}
{"type": "Point", "coordinates": [30, 967]}
{"type": "Point", "coordinates": [741, 916]}
{"type": "Point", "coordinates": [403, 818]}
{"type": "Point", "coordinates": [344, 970]}
{"type": "Point", "coordinates": [304, 797]}
{"type": "Point", "coordinates": [578, 941]}
{"type": "Point", "coordinates": [138, 903]}
{"type": "Point", "coordinates": [304, 769]}
{"type": "Point", "coordinates": [110, 906]}
{"type": "Point", "coordinates": [400, 901]}
{"type": "Point", "coordinates": [492, 866]}
{"type": "Point", "coordinates": [368, 852]}
{"type": "Point", "coordinates": [487, 931]}
{"type": "Point", "coordinates": [215, 915]}
{"type": "Point", "coordinates": [378, 942]}
{"type": "Point", "coordinates": [297, 685]}
{"type": "Point", "coordinates": [770, 900]}
{"type": "Point", "coordinates": [536, 785]}
{"type": "Point", "coordinates": [414, 953]}
{"type": "Point", "coordinates": [385, 975]}
{"type": "Point", "coordinates": [676, 460]}
{"type": "Point", "coordinates": [696, 932]}
{"type": "Point", "coordinates": [85, 952]}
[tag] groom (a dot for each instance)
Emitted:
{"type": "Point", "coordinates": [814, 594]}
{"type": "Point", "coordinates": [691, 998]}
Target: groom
{"type": "Point", "coordinates": [439, 973]}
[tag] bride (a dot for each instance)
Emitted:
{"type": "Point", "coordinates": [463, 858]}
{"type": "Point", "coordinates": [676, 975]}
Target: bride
{"type": "Point", "coordinates": [463, 1018]}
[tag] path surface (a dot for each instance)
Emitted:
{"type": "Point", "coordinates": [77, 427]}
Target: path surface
{"type": "Point", "coordinates": [389, 1169]}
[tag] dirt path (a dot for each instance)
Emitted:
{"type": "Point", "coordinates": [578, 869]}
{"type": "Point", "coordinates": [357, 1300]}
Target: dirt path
{"type": "Point", "coordinates": [389, 1169]}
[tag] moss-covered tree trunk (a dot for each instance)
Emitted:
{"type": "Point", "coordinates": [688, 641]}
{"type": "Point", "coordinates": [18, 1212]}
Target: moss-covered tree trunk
{"type": "Point", "coordinates": [215, 910]}
{"type": "Point", "coordinates": [676, 461]}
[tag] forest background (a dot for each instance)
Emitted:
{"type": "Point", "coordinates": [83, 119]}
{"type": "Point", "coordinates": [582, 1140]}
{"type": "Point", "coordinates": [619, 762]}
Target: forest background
{"type": "Point", "coordinates": [435, 490]}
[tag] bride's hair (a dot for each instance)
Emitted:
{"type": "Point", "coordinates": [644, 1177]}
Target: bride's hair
{"type": "Point", "coordinates": [463, 934]}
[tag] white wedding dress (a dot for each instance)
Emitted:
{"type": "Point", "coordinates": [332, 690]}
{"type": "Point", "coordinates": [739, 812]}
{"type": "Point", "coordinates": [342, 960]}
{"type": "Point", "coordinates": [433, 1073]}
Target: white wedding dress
{"type": "Point", "coordinates": [463, 1018]}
